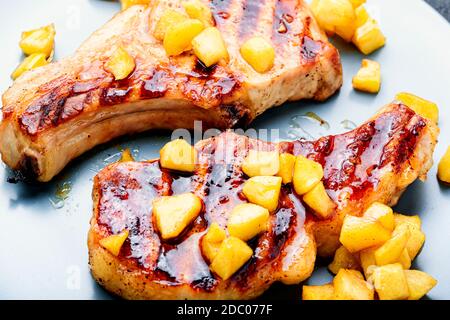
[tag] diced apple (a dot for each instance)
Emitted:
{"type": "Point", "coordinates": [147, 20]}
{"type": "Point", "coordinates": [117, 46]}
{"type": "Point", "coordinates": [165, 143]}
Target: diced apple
{"type": "Point", "coordinates": [368, 78]}
{"type": "Point", "coordinates": [210, 47]}
{"type": "Point", "coordinates": [357, 3]}
{"type": "Point", "coordinates": [413, 221]}
{"type": "Point", "coordinates": [232, 255]}
{"type": "Point", "coordinates": [212, 240]}
{"type": "Point", "coordinates": [287, 163]}
{"type": "Point", "coordinates": [343, 259]}
{"type": "Point", "coordinates": [350, 285]}
{"type": "Point", "coordinates": [120, 64]}
{"type": "Point", "coordinates": [369, 37]}
{"type": "Point", "coordinates": [307, 174]}
{"type": "Point", "coordinates": [126, 156]}
{"type": "Point", "coordinates": [263, 191]}
{"type": "Point", "coordinates": [367, 259]}
{"type": "Point", "coordinates": [405, 259]}
{"type": "Point", "coordinates": [319, 200]}
{"type": "Point", "coordinates": [362, 16]}
{"type": "Point", "coordinates": [33, 61]}
{"type": "Point", "coordinates": [444, 167]}
{"type": "Point", "coordinates": [425, 108]}
{"type": "Point", "coordinates": [392, 249]}
{"type": "Point", "coordinates": [258, 53]}
{"type": "Point", "coordinates": [114, 243]}
{"type": "Point", "coordinates": [247, 220]}
{"type": "Point", "coordinates": [382, 213]}
{"type": "Point", "coordinates": [323, 292]}
{"type": "Point", "coordinates": [178, 37]}
{"type": "Point", "coordinates": [168, 19]}
{"type": "Point", "coordinates": [174, 213]}
{"type": "Point", "coordinates": [261, 163]}
{"type": "Point", "coordinates": [38, 40]}
{"type": "Point", "coordinates": [335, 16]}
{"type": "Point", "coordinates": [419, 283]}
{"type": "Point", "coordinates": [390, 282]}
{"type": "Point", "coordinates": [178, 155]}
{"type": "Point", "coordinates": [198, 10]}
{"type": "Point", "coordinates": [128, 3]}
{"type": "Point", "coordinates": [360, 233]}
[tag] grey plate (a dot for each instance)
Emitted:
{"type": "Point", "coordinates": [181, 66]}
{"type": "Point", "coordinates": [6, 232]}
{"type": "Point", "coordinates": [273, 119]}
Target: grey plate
{"type": "Point", "coordinates": [43, 250]}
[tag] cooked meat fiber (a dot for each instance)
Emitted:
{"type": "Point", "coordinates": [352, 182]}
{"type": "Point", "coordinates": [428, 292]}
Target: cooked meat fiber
{"type": "Point", "coordinates": [374, 162]}
{"type": "Point", "coordinates": [55, 113]}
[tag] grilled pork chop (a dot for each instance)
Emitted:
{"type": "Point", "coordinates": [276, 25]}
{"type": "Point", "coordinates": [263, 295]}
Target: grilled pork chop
{"type": "Point", "coordinates": [374, 162]}
{"type": "Point", "coordinates": [55, 113]}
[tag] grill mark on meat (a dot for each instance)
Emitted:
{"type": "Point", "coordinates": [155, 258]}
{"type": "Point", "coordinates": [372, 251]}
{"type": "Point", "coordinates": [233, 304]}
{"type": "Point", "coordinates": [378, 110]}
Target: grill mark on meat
{"type": "Point", "coordinates": [249, 20]}
{"type": "Point", "coordinates": [310, 49]}
{"type": "Point", "coordinates": [220, 9]}
{"type": "Point", "coordinates": [284, 18]}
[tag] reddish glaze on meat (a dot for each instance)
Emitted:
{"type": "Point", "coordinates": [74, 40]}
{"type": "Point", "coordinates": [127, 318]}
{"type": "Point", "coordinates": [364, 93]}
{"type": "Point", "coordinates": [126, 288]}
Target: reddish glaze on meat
{"type": "Point", "coordinates": [55, 113]}
{"type": "Point", "coordinates": [374, 162]}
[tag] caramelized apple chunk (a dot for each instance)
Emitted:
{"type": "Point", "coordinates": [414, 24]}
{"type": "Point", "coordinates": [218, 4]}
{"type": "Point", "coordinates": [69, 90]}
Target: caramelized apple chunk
{"type": "Point", "coordinates": [369, 37]}
{"type": "Point", "coordinates": [343, 259]}
{"type": "Point", "coordinates": [368, 78]}
{"type": "Point", "coordinates": [232, 255]}
{"type": "Point", "coordinates": [425, 108]}
{"type": "Point", "coordinates": [350, 285]}
{"type": "Point", "coordinates": [263, 191]}
{"type": "Point", "coordinates": [381, 213]}
{"type": "Point", "coordinates": [319, 200]}
{"type": "Point", "coordinates": [444, 167]}
{"type": "Point", "coordinates": [261, 163]}
{"type": "Point", "coordinates": [128, 3]}
{"type": "Point", "coordinates": [390, 282]}
{"type": "Point", "coordinates": [120, 64]}
{"type": "Point", "coordinates": [212, 240]}
{"type": "Point", "coordinates": [307, 174]}
{"type": "Point", "coordinates": [287, 163]}
{"type": "Point", "coordinates": [419, 283]}
{"type": "Point", "coordinates": [323, 292]}
{"type": "Point", "coordinates": [39, 40]}
{"type": "Point", "coordinates": [258, 53]}
{"type": "Point", "coordinates": [210, 47]}
{"type": "Point", "coordinates": [168, 19]}
{"type": "Point", "coordinates": [174, 213]}
{"type": "Point", "coordinates": [198, 10]}
{"type": "Point", "coordinates": [360, 233]}
{"type": "Point", "coordinates": [247, 220]}
{"type": "Point", "coordinates": [114, 243]}
{"type": "Point", "coordinates": [178, 155]}
{"type": "Point", "coordinates": [33, 61]}
{"type": "Point", "coordinates": [178, 37]}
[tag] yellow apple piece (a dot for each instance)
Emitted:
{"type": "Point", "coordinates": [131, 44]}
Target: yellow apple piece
{"type": "Point", "coordinates": [343, 259]}
{"type": "Point", "coordinates": [319, 200]}
{"type": "Point", "coordinates": [381, 213]}
{"type": "Point", "coordinates": [419, 283]}
{"type": "Point", "coordinates": [247, 220]}
{"type": "Point", "coordinates": [390, 282]}
{"type": "Point", "coordinates": [360, 233]}
{"type": "Point", "coordinates": [198, 10]}
{"type": "Point", "coordinates": [444, 167]}
{"type": "Point", "coordinates": [174, 213]}
{"type": "Point", "coordinates": [120, 64]}
{"type": "Point", "coordinates": [263, 191]}
{"type": "Point", "coordinates": [178, 37]}
{"type": "Point", "coordinates": [178, 155]}
{"type": "Point", "coordinates": [114, 243]}
{"type": "Point", "coordinates": [39, 40]}
{"type": "Point", "coordinates": [368, 78]}
{"type": "Point", "coordinates": [322, 292]}
{"type": "Point", "coordinates": [287, 163]}
{"type": "Point", "coordinates": [392, 249]}
{"type": "Point", "coordinates": [31, 62]}
{"type": "Point", "coordinates": [168, 19]}
{"type": "Point", "coordinates": [210, 47]}
{"type": "Point", "coordinates": [307, 174]}
{"type": "Point", "coordinates": [258, 53]}
{"type": "Point", "coordinates": [369, 37]}
{"type": "Point", "coordinates": [212, 240]}
{"type": "Point", "coordinates": [425, 108]}
{"type": "Point", "coordinates": [261, 163]}
{"type": "Point", "coordinates": [350, 285]}
{"type": "Point", "coordinates": [232, 255]}
{"type": "Point", "coordinates": [128, 3]}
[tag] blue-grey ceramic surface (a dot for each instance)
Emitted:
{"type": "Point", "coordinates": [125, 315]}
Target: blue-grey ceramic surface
{"type": "Point", "coordinates": [43, 251]}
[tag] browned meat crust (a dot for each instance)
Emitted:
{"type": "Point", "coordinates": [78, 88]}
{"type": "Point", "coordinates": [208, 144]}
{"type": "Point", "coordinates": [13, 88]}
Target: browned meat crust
{"type": "Point", "coordinates": [55, 113]}
{"type": "Point", "coordinates": [374, 162]}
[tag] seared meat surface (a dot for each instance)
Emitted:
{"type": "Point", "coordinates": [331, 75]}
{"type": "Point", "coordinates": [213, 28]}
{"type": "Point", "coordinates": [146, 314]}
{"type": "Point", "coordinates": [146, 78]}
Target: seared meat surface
{"type": "Point", "coordinates": [53, 114]}
{"type": "Point", "coordinates": [374, 162]}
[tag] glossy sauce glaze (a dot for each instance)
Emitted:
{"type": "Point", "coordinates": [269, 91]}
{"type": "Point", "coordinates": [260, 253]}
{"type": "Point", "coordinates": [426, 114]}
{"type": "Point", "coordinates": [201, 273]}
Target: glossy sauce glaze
{"type": "Point", "coordinates": [353, 164]}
